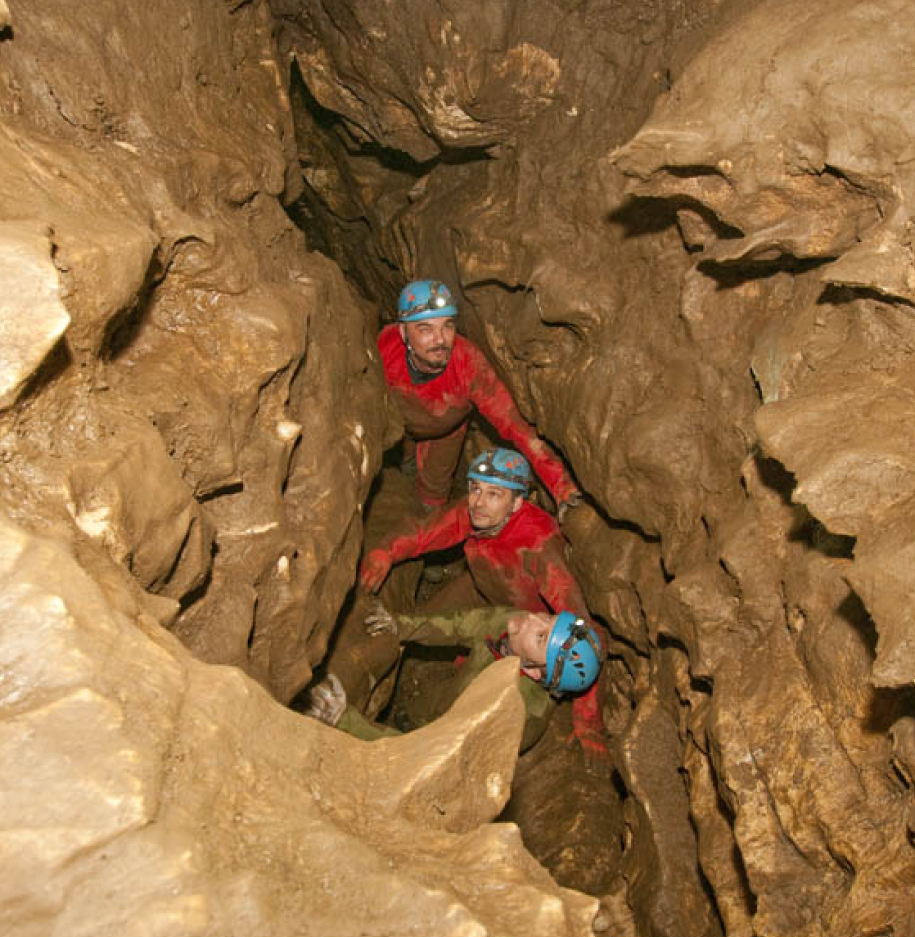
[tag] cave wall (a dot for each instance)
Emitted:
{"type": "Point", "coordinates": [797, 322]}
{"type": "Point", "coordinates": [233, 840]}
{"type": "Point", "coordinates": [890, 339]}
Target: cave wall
{"type": "Point", "coordinates": [194, 404]}
{"type": "Point", "coordinates": [689, 255]}
{"type": "Point", "coordinates": [683, 235]}
{"type": "Point", "coordinates": [191, 417]}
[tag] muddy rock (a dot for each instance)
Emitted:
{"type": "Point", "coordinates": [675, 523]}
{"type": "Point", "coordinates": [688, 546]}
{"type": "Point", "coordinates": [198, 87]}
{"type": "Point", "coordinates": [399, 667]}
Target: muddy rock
{"type": "Point", "coordinates": [681, 234]}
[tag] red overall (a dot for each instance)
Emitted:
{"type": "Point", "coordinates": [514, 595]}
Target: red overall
{"type": "Point", "coordinates": [522, 566]}
{"type": "Point", "coordinates": [435, 414]}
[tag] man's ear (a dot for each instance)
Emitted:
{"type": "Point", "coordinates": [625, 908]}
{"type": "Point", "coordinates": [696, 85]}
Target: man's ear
{"type": "Point", "coordinates": [519, 500]}
{"type": "Point", "coordinates": [403, 333]}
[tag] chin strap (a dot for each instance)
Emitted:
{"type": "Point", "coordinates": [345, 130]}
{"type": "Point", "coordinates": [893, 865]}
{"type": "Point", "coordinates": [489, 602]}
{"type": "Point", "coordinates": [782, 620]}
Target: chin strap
{"type": "Point", "coordinates": [497, 647]}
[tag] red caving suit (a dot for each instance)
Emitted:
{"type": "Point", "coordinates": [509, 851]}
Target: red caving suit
{"type": "Point", "coordinates": [435, 414]}
{"type": "Point", "coordinates": [522, 566]}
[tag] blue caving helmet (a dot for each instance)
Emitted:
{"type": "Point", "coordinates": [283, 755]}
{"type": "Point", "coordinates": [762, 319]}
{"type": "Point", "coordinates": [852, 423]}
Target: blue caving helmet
{"type": "Point", "coordinates": [503, 467]}
{"type": "Point", "coordinates": [425, 299]}
{"type": "Point", "coordinates": [573, 655]}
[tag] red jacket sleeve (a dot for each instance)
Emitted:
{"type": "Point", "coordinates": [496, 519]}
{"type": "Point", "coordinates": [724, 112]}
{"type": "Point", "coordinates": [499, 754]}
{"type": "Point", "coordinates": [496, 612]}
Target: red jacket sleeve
{"type": "Point", "coordinates": [492, 398]}
{"type": "Point", "coordinates": [558, 587]}
{"type": "Point", "coordinates": [440, 530]}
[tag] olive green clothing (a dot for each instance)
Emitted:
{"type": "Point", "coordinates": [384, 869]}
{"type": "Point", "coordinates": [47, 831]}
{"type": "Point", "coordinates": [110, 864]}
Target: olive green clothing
{"type": "Point", "coordinates": [466, 629]}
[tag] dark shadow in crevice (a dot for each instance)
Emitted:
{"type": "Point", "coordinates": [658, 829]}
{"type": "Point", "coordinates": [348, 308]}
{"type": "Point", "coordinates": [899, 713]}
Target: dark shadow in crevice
{"type": "Point", "coordinates": [122, 328]}
{"type": "Point", "coordinates": [806, 528]}
{"type": "Point", "coordinates": [646, 214]}
{"type": "Point", "coordinates": [230, 488]}
{"type": "Point", "coordinates": [731, 274]}
{"type": "Point", "coordinates": [57, 360]}
{"type": "Point", "coordinates": [667, 575]}
{"type": "Point", "coordinates": [669, 641]}
{"type": "Point", "coordinates": [839, 294]}
{"type": "Point", "coordinates": [253, 633]}
{"type": "Point", "coordinates": [710, 895]}
{"type": "Point", "coordinates": [290, 464]}
{"type": "Point", "coordinates": [775, 477]}
{"type": "Point", "coordinates": [640, 215]}
{"type": "Point", "coordinates": [615, 523]}
{"type": "Point", "coordinates": [701, 684]}
{"type": "Point", "coordinates": [619, 785]}
{"type": "Point", "coordinates": [887, 704]}
{"type": "Point", "coordinates": [812, 532]}
{"type": "Point", "coordinates": [750, 900]}
{"type": "Point", "coordinates": [396, 160]}
{"type": "Point", "coordinates": [854, 611]}
{"type": "Point", "coordinates": [200, 590]}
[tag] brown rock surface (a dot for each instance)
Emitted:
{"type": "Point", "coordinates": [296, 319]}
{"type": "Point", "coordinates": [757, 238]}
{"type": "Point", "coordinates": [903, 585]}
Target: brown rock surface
{"type": "Point", "coordinates": [193, 417]}
{"type": "Point", "coordinates": [213, 397]}
{"type": "Point", "coordinates": [748, 290]}
{"type": "Point", "coordinates": [145, 792]}
{"type": "Point", "coordinates": [709, 316]}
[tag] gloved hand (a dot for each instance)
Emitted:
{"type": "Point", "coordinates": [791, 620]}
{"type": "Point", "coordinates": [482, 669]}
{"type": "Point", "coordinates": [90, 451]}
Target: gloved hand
{"type": "Point", "coordinates": [379, 620]}
{"type": "Point", "coordinates": [572, 500]}
{"type": "Point", "coordinates": [374, 570]}
{"type": "Point", "coordinates": [326, 701]}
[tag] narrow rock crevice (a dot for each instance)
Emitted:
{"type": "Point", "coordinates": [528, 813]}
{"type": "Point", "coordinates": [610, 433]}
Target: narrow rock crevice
{"type": "Point", "coordinates": [681, 234]}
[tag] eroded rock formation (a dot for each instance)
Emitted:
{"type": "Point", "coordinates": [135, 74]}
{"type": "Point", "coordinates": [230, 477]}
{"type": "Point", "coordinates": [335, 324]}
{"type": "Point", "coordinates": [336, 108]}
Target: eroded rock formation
{"type": "Point", "coordinates": [145, 792]}
{"type": "Point", "coordinates": [192, 418]}
{"type": "Point", "coordinates": [682, 232]}
{"type": "Point", "coordinates": [745, 300]}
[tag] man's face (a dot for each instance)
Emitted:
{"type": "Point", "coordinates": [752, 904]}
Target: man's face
{"type": "Point", "coordinates": [431, 341]}
{"type": "Point", "coordinates": [528, 634]}
{"type": "Point", "coordinates": [490, 505]}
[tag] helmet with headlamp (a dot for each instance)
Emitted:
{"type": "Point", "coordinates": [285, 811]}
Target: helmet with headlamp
{"type": "Point", "coordinates": [503, 467]}
{"type": "Point", "coordinates": [425, 299]}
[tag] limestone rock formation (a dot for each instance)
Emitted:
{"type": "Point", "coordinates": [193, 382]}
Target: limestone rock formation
{"type": "Point", "coordinates": [145, 792]}
{"type": "Point", "coordinates": [681, 232]}
{"type": "Point", "coordinates": [214, 383]}
{"type": "Point", "coordinates": [691, 316]}
{"type": "Point", "coordinates": [32, 318]}
{"type": "Point", "coordinates": [193, 416]}
{"type": "Point", "coordinates": [787, 162]}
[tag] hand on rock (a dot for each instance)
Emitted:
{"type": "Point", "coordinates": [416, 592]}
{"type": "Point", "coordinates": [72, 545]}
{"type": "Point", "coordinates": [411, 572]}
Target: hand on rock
{"type": "Point", "coordinates": [375, 569]}
{"type": "Point", "coordinates": [571, 501]}
{"type": "Point", "coordinates": [326, 701]}
{"type": "Point", "coordinates": [379, 621]}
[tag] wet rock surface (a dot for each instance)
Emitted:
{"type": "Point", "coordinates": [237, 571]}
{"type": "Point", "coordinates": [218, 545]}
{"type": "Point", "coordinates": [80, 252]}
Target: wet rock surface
{"type": "Point", "coordinates": [680, 232]}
